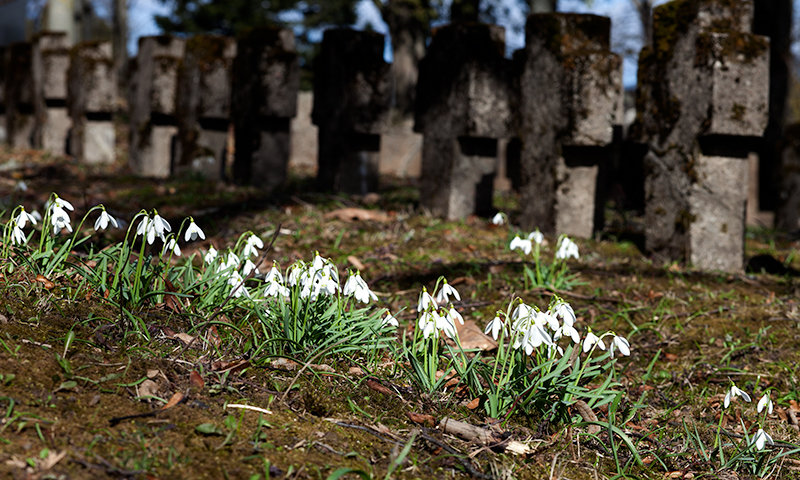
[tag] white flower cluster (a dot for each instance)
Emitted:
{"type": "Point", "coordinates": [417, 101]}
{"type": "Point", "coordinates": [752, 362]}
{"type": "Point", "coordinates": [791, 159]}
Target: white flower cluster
{"type": "Point", "coordinates": [530, 328]}
{"type": "Point", "coordinates": [436, 312]}
{"type": "Point", "coordinates": [761, 438]}
{"type": "Point", "coordinates": [565, 249]}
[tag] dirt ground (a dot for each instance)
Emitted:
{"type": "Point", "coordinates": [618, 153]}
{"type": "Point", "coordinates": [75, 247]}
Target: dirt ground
{"type": "Point", "coordinates": [78, 412]}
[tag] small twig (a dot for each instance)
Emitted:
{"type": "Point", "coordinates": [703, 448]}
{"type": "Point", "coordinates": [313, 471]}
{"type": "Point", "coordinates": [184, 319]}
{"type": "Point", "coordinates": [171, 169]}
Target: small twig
{"type": "Point", "coordinates": [248, 407]}
{"type": "Point", "coordinates": [370, 431]}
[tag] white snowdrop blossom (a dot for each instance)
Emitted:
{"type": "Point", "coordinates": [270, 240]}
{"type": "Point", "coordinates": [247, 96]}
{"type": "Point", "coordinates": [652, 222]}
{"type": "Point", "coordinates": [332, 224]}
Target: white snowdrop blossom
{"type": "Point", "coordinates": [621, 344]}
{"type": "Point", "coordinates": [765, 402]}
{"type": "Point", "coordinates": [536, 236]}
{"type": "Point", "coordinates": [453, 315]}
{"type": "Point", "coordinates": [389, 320]}
{"type": "Point", "coordinates": [36, 215]}
{"type": "Point", "coordinates": [172, 246]}
{"type": "Point", "coordinates": [442, 296]}
{"type": "Point", "coordinates": [18, 236]}
{"type": "Point", "coordinates": [23, 218]}
{"type": "Point", "coordinates": [104, 220]}
{"type": "Point", "coordinates": [425, 301]}
{"type": "Point", "coordinates": [161, 226]}
{"type": "Point", "coordinates": [446, 325]}
{"type": "Point", "coordinates": [545, 318]}
{"type": "Point", "coordinates": [210, 255]}
{"type": "Point", "coordinates": [567, 249]}
{"type": "Point", "coordinates": [61, 203]}
{"type": "Point", "coordinates": [427, 324]}
{"type": "Point", "coordinates": [524, 245]}
{"type": "Point", "coordinates": [357, 287]}
{"type": "Point", "coordinates": [21, 186]}
{"type": "Point", "coordinates": [59, 219]}
{"type": "Point", "coordinates": [494, 327]}
{"type": "Point", "coordinates": [146, 229]}
{"type": "Point", "coordinates": [733, 393]}
{"type": "Point", "coordinates": [237, 283]}
{"type": "Point", "coordinates": [232, 262]}
{"type": "Point", "coordinates": [274, 275]}
{"type": "Point", "coordinates": [498, 219]}
{"type": "Point", "coordinates": [564, 310]}
{"type": "Point", "coordinates": [760, 439]}
{"type": "Point", "coordinates": [251, 246]}
{"type": "Point", "coordinates": [567, 330]}
{"type": "Point", "coordinates": [193, 232]}
{"type": "Point", "coordinates": [249, 267]}
{"type": "Point", "coordinates": [591, 340]}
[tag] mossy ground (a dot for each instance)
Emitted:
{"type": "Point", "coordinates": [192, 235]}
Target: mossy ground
{"type": "Point", "coordinates": [691, 334]}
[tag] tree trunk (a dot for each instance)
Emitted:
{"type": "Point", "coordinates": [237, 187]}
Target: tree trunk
{"type": "Point", "coordinates": [544, 6]}
{"type": "Point", "coordinates": [119, 42]}
{"type": "Point", "coordinates": [408, 22]}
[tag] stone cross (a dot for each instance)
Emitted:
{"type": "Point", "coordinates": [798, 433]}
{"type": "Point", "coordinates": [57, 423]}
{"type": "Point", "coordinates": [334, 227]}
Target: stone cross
{"type": "Point", "coordinates": [19, 95]}
{"type": "Point", "coordinates": [3, 59]}
{"type": "Point", "coordinates": [702, 97]}
{"type": "Point", "coordinates": [152, 105]}
{"type": "Point", "coordinates": [462, 108]}
{"type": "Point", "coordinates": [266, 78]}
{"type": "Point", "coordinates": [92, 93]}
{"type": "Point", "coordinates": [49, 65]}
{"type": "Point", "coordinates": [351, 108]}
{"type": "Point", "coordinates": [203, 108]}
{"type": "Point", "coordinates": [570, 99]}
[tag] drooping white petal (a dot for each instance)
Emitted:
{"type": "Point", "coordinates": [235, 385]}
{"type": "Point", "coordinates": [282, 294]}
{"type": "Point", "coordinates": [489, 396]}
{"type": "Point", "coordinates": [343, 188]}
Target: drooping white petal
{"type": "Point", "coordinates": [193, 232]}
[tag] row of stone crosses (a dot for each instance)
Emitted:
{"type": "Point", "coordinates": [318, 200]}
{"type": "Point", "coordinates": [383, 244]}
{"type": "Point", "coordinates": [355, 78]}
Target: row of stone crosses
{"type": "Point", "coordinates": [703, 90]}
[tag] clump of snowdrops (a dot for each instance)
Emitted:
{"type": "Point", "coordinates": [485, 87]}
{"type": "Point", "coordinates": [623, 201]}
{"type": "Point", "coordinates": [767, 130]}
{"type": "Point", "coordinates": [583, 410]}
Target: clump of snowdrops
{"type": "Point", "coordinates": [300, 313]}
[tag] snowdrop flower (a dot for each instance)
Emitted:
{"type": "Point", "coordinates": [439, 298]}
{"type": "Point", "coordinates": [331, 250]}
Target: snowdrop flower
{"type": "Point", "coordinates": [536, 236]}
{"type": "Point", "coordinates": [18, 236]}
{"type": "Point", "coordinates": [160, 226]}
{"type": "Point", "coordinates": [252, 246]}
{"type": "Point", "coordinates": [522, 312]}
{"type": "Point", "coordinates": [564, 310]}
{"type": "Point", "coordinates": [249, 267]}
{"type": "Point", "coordinates": [567, 330]}
{"type": "Point", "coordinates": [453, 315]}
{"type": "Point", "coordinates": [566, 249]}
{"type": "Point", "coordinates": [21, 186]}
{"type": "Point", "coordinates": [765, 402]}
{"type": "Point", "coordinates": [445, 324]}
{"type": "Point", "coordinates": [104, 220]}
{"type": "Point", "coordinates": [59, 219]}
{"type": "Point", "coordinates": [544, 318]}
{"type": "Point", "coordinates": [357, 287]}
{"type": "Point", "coordinates": [36, 215]}
{"type": "Point", "coordinates": [236, 281]}
{"type": "Point", "coordinates": [524, 245]}
{"type": "Point", "coordinates": [274, 275]}
{"type": "Point", "coordinates": [591, 340]}
{"type": "Point", "coordinates": [534, 337]}
{"type": "Point", "coordinates": [389, 320]}
{"type": "Point", "coordinates": [498, 219]}
{"type": "Point", "coordinates": [146, 229]}
{"type": "Point", "coordinates": [193, 232]}
{"type": "Point", "coordinates": [495, 326]}
{"type": "Point", "coordinates": [61, 203]}
{"type": "Point", "coordinates": [733, 393]}
{"type": "Point", "coordinates": [172, 246]}
{"type": "Point", "coordinates": [210, 255]}
{"type": "Point", "coordinates": [23, 218]}
{"type": "Point", "coordinates": [425, 301]}
{"type": "Point", "coordinates": [621, 344]}
{"type": "Point", "coordinates": [232, 261]}
{"type": "Point", "coordinates": [427, 323]}
{"type": "Point", "coordinates": [446, 291]}
{"type": "Point", "coordinates": [760, 439]}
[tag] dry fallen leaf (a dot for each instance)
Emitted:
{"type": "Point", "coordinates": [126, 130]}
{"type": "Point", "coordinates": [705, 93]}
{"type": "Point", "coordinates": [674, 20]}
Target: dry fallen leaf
{"type": "Point", "coordinates": [474, 403]}
{"type": "Point", "coordinates": [421, 418]}
{"type": "Point", "coordinates": [472, 337]}
{"type": "Point", "coordinates": [518, 448]}
{"type": "Point", "coordinates": [378, 387]}
{"type": "Point", "coordinates": [350, 214]}
{"type": "Point", "coordinates": [356, 371]}
{"type": "Point", "coordinates": [354, 261]}
{"type": "Point", "coordinates": [174, 400]}
{"type": "Point", "coordinates": [284, 364]}
{"type": "Point", "coordinates": [148, 388]}
{"type": "Point", "coordinates": [44, 281]}
{"type": "Point", "coordinates": [196, 380]}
